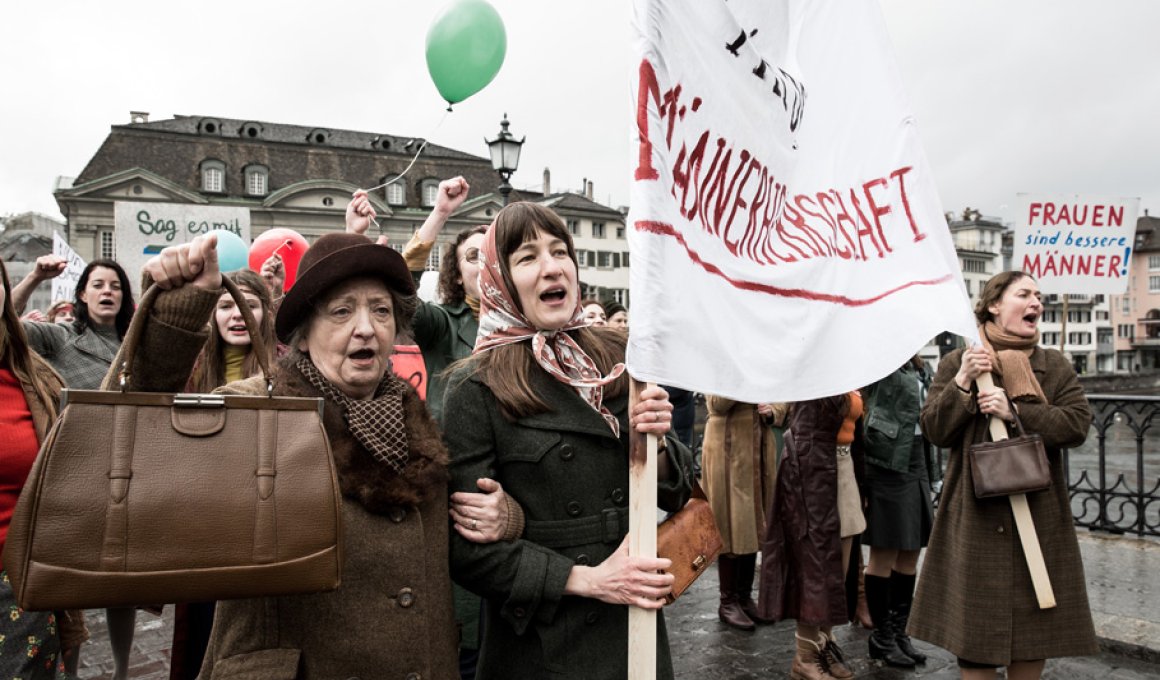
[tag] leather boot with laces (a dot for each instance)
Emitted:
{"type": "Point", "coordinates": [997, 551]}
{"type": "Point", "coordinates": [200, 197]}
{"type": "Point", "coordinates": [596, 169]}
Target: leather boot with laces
{"type": "Point", "coordinates": [808, 663]}
{"type": "Point", "coordinates": [835, 660]}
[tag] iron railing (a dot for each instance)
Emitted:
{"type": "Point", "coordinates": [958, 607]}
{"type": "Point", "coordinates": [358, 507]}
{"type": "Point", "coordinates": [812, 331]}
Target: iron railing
{"type": "Point", "coordinates": [1119, 494]}
{"type": "Point", "coordinates": [1114, 478]}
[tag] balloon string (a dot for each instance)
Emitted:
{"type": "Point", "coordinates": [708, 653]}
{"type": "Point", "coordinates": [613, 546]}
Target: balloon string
{"type": "Point", "coordinates": [422, 146]}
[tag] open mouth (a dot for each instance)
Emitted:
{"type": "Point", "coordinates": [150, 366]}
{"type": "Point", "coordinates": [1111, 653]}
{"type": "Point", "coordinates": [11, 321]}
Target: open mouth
{"type": "Point", "coordinates": [239, 328]}
{"type": "Point", "coordinates": [362, 354]}
{"type": "Point", "coordinates": [1031, 318]}
{"type": "Point", "coordinates": [106, 303]}
{"type": "Point", "coordinates": [556, 294]}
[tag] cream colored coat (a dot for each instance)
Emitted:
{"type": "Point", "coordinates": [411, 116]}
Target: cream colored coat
{"type": "Point", "coordinates": [739, 460]}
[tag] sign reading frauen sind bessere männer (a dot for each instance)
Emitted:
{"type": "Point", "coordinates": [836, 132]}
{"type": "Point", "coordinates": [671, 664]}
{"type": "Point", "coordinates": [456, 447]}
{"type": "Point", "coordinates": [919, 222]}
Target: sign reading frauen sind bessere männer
{"type": "Point", "coordinates": [143, 229]}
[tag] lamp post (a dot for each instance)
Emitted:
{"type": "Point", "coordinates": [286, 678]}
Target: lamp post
{"type": "Point", "coordinates": [505, 156]}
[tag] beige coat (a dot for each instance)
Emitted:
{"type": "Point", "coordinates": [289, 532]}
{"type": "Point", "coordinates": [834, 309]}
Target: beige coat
{"type": "Point", "coordinates": [975, 596]}
{"type": "Point", "coordinates": [739, 460]}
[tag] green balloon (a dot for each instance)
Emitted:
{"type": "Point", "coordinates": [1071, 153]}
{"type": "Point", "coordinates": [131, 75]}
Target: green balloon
{"type": "Point", "coordinates": [465, 48]}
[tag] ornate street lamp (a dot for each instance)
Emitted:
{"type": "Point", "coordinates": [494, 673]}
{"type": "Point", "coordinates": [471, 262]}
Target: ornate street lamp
{"type": "Point", "coordinates": [505, 156]}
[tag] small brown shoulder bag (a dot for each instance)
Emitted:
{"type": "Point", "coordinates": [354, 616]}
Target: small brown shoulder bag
{"type": "Point", "coordinates": [689, 537]}
{"type": "Point", "coordinates": [1012, 466]}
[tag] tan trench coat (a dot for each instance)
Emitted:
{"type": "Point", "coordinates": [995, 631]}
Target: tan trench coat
{"type": "Point", "coordinates": [974, 595]}
{"type": "Point", "coordinates": [739, 461]}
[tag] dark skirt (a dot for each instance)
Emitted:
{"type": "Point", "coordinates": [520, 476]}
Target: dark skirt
{"type": "Point", "coordinates": [899, 513]}
{"type": "Point", "coordinates": [29, 643]}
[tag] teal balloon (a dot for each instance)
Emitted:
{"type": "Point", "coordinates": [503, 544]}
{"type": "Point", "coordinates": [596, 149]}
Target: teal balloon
{"type": "Point", "coordinates": [233, 253]}
{"type": "Point", "coordinates": [466, 45]}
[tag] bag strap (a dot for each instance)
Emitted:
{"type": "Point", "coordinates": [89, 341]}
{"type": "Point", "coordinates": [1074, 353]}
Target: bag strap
{"type": "Point", "coordinates": [1014, 413]}
{"type": "Point", "coordinates": [137, 326]}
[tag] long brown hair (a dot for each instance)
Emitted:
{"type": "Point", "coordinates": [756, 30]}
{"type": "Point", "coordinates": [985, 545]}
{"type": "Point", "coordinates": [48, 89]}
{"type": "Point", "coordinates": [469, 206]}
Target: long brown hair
{"type": "Point", "coordinates": [508, 370]}
{"type": "Point", "coordinates": [210, 370]}
{"type": "Point", "coordinates": [17, 355]}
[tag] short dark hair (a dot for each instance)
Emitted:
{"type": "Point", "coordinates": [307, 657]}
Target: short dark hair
{"type": "Point", "coordinates": [993, 292]}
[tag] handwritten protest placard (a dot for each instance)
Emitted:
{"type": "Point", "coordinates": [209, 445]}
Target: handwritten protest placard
{"type": "Point", "coordinates": [64, 286]}
{"type": "Point", "coordinates": [143, 229]}
{"type": "Point", "coordinates": [1076, 244]}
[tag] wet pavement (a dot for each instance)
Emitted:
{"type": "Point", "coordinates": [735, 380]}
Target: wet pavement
{"type": "Point", "coordinates": [1123, 577]}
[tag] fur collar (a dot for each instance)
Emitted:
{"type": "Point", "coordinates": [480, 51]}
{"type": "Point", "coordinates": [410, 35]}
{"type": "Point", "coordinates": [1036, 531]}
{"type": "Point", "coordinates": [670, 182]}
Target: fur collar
{"type": "Point", "coordinates": [360, 476]}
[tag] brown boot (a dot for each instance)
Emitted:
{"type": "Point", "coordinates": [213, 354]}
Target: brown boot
{"type": "Point", "coordinates": [730, 611]}
{"type": "Point", "coordinates": [808, 663]}
{"type": "Point", "coordinates": [745, 569]}
{"type": "Point", "coordinates": [862, 613]}
{"type": "Point", "coordinates": [835, 659]}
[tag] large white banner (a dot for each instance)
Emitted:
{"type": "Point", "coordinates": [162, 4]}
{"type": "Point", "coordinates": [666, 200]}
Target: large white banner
{"type": "Point", "coordinates": [64, 286]}
{"type": "Point", "coordinates": [787, 239]}
{"type": "Point", "coordinates": [1076, 244]}
{"type": "Point", "coordinates": [143, 229]}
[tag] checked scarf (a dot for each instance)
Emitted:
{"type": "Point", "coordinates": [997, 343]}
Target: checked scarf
{"type": "Point", "coordinates": [502, 323]}
{"type": "Point", "coordinates": [378, 423]}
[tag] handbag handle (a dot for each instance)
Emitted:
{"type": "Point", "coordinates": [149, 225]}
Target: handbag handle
{"type": "Point", "coordinates": [137, 326]}
{"type": "Point", "coordinates": [1014, 413]}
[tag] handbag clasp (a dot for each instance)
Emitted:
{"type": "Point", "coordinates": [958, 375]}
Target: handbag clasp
{"type": "Point", "coordinates": [187, 400]}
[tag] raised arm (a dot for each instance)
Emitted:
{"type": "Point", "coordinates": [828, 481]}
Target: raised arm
{"type": "Point", "coordinates": [47, 267]}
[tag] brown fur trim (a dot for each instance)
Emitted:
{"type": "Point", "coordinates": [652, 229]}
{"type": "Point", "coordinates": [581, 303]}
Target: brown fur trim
{"type": "Point", "coordinates": [362, 478]}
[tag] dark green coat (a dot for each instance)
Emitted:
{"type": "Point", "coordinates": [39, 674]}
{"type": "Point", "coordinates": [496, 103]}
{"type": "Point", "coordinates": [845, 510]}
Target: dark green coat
{"type": "Point", "coordinates": [570, 475]}
{"type": "Point", "coordinates": [892, 410]}
{"type": "Point", "coordinates": [444, 334]}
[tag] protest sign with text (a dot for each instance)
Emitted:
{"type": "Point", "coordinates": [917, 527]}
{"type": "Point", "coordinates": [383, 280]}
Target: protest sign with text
{"type": "Point", "coordinates": [144, 229]}
{"type": "Point", "coordinates": [1076, 244]}
{"type": "Point", "coordinates": [787, 239]}
{"type": "Point", "coordinates": [64, 286]}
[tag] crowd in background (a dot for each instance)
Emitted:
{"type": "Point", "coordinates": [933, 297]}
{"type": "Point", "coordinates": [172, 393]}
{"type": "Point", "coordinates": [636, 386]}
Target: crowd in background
{"type": "Point", "coordinates": [506, 496]}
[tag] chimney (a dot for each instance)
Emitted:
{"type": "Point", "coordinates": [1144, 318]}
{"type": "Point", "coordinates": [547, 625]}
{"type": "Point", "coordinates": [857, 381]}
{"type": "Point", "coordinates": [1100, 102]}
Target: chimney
{"type": "Point", "coordinates": [588, 190]}
{"type": "Point", "coordinates": [138, 116]}
{"type": "Point", "coordinates": [547, 182]}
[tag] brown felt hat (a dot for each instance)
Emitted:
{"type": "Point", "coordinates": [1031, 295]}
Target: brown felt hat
{"type": "Point", "coordinates": [334, 259]}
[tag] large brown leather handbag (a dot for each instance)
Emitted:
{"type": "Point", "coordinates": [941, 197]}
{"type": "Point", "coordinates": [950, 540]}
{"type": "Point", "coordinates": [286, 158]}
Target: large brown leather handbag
{"type": "Point", "coordinates": [140, 497]}
{"type": "Point", "coordinates": [690, 538]}
{"type": "Point", "coordinates": [1011, 466]}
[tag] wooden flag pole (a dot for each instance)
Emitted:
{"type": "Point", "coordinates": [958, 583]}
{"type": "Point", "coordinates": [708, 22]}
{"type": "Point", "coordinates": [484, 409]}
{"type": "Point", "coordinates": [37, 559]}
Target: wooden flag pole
{"type": "Point", "coordinates": [642, 541]}
{"type": "Point", "coordinates": [1023, 521]}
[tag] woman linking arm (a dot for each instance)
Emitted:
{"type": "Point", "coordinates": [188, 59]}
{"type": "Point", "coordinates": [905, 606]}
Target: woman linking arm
{"type": "Point", "coordinates": [393, 609]}
{"type": "Point", "coordinates": [542, 407]}
{"type": "Point", "coordinates": [975, 596]}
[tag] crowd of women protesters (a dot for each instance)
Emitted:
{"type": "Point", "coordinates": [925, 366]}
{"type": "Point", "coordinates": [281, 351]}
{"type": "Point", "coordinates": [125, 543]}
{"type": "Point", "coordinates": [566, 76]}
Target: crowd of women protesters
{"type": "Point", "coordinates": [502, 499]}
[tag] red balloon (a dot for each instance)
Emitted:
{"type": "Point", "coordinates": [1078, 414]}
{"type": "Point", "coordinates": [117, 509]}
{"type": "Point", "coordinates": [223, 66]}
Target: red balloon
{"type": "Point", "coordinates": [287, 243]}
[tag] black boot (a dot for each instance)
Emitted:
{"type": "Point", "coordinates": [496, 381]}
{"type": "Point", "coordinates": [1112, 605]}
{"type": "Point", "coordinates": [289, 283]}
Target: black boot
{"type": "Point", "coordinates": [730, 611]}
{"type": "Point", "coordinates": [901, 595]}
{"type": "Point", "coordinates": [882, 643]}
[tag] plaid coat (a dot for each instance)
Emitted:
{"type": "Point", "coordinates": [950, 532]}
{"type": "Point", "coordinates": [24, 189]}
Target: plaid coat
{"type": "Point", "coordinates": [82, 359]}
{"type": "Point", "coordinates": [975, 596]}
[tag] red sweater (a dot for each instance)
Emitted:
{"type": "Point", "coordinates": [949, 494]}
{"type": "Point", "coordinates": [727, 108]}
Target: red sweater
{"type": "Point", "coordinates": [18, 433]}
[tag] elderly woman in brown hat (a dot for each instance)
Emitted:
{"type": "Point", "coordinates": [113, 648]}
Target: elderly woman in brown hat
{"type": "Point", "coordinates": [393, 610]}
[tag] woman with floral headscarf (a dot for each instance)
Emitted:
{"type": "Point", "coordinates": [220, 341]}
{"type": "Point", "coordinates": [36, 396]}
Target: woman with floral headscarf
{"type": "Point", "coordinates": [542, 407]}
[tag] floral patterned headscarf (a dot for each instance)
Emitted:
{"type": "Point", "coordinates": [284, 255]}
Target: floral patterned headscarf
{"type": "Point", "coordinates": [502, 323]}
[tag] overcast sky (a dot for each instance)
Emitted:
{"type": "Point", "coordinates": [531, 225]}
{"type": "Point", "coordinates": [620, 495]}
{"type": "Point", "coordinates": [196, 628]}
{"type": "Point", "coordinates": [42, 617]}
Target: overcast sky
{"type": "Point", "coordinates": [1038, 95]}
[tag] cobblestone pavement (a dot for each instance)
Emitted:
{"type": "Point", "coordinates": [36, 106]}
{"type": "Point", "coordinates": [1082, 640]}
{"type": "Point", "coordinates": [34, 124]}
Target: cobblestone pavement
{"type": "Point", "coordinates": [1123, 584]}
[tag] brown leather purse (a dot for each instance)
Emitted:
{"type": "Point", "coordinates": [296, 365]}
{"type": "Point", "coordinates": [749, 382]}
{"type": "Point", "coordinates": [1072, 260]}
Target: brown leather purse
{"type": "Point", "coordinates": [689, 537]}
{"type": "Point", "coordinates": [141, 497]}
{"type": "Point", "coordinates": [1012, 466]}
